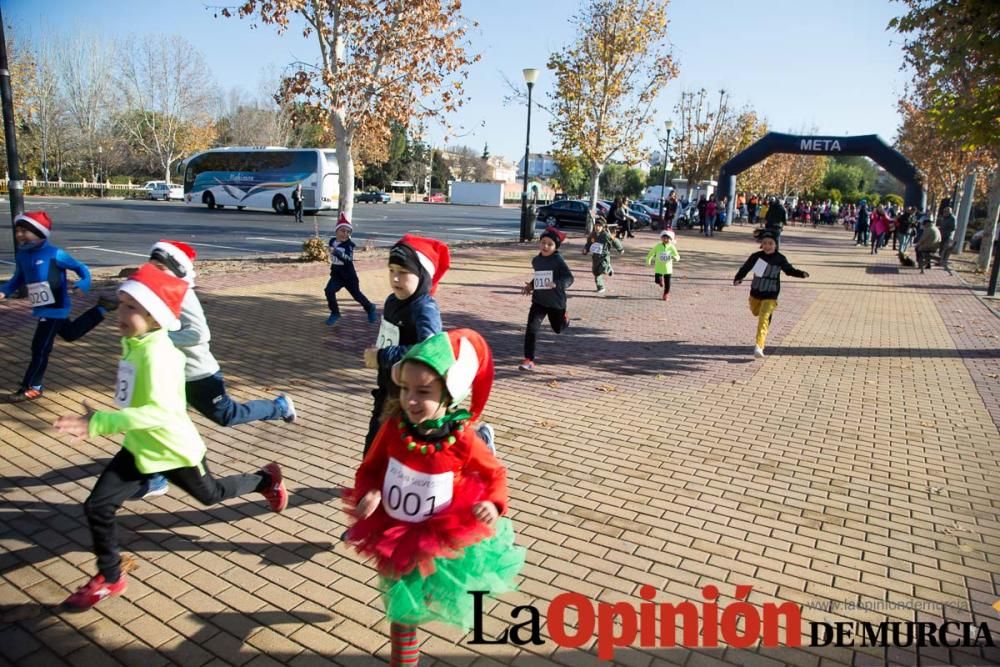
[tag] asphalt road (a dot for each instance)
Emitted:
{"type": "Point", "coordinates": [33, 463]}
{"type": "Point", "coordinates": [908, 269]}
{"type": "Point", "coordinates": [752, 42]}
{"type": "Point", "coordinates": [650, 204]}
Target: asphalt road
{"type": "Point", "coordinates": [115, 232]}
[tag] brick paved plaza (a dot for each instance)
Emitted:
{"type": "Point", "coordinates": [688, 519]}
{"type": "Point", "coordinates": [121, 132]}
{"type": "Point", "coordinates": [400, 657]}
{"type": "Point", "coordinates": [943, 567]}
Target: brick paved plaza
{"type": "Point", "coordinates": [859, 462]}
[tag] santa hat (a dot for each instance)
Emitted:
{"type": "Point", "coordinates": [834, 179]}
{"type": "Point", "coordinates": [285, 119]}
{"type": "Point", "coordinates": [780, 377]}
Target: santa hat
{"type": "Point", "coordinates": [178, 257]}
{"type": "Point", "coordinates": [158, 292]}
{"type": "Point", "coordinates": [667, 232]}
{"type": "Point", "coordinates": [557, 235]}
{"type": "Point", "coordinates": [431, 254]}
{"type": "Point", "coordinates": [343, 221]}
{"type": "Point", "coordinates": [462, 359]}
{"type": "Point", "coordinates": [38, 222]}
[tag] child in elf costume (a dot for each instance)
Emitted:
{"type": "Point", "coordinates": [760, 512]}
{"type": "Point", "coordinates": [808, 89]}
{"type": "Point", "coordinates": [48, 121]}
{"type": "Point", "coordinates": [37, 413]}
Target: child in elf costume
{"type": "Point", "coordinates": [665, 253]}
{"type": "Point", "coordinates": [548, 292]}
{"type": "Point", "coordinates": [41, 267]}
{"type": "Point", "coordinates": [159, 435]}
{"type": "Point", "coordinates": [343, 274]}
{"type": "Point", "coordinates": [429, 497]}
{"type": "Point", "coordinates": [599, 245]}
{"type": "Point", "coordinates": [410, 314]}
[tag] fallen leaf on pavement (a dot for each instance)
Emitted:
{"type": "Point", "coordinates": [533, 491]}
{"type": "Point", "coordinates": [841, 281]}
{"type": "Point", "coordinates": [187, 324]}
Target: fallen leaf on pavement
{"type": "Point", "coordinates": [554, 384]}
{"type": "Point", "coordinates": [607, 388]}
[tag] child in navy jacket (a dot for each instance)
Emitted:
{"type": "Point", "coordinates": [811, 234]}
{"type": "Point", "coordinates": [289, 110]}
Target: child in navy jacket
{"type": "Point", "coordinates": [343, 274]}
{"type": "Point", "coordinates": [41, 268]}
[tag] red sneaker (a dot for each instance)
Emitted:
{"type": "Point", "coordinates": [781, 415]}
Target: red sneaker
{"type": "Point", "coordinates": [276, 494]}
{"type": "Point", "coordinates": [94, 591]}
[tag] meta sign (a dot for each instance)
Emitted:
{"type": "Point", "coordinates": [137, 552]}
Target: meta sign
{"type": "Point", "coordinates": [819, 145]}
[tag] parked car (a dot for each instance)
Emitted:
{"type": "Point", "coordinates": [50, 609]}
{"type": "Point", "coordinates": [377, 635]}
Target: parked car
{"type": "Point", "coordinates": [643, 216]}
{"type": "Point", "coordinates": [163, 190]}
{"type": "Point", "coordinates": [148, 187]}
{"type": "Point", "coordinates": [435, 198]}
{"type": "Point", "coordinates": [373, 197]}
{"type": "Point", "coordinates": [976, 242]}
{"type": "Point", "coordinates": [565, 213]}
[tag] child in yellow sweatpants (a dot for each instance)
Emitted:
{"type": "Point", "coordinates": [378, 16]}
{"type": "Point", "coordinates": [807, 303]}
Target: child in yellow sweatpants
{"type": "Point", "coordinates": [767, 265]}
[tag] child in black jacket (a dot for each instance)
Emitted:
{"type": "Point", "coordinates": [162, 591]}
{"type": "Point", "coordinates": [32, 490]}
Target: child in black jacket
{"type": "Point", "coordinates": [548, 292]}
{"type": "Point", "coordinates": [343, 273]}
{"type": "Point", "coordinates": [767, 265]}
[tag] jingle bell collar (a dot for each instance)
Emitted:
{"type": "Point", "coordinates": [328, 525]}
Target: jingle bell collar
{"type": "Point", "coordinates": [176, 256]}
{"type": "Point", "coordinates": [159, 293]}
{"type": "Point", "coordinates": [557, 235]}
{"type": "Point", "coordinates": [37, 222]}
{"type": "Point", "coordinates": [464, 361]}
{"type": "Point", "coordinates": [422, 256]}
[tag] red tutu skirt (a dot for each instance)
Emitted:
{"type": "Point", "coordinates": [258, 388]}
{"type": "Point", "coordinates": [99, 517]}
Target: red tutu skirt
{"type": "Point", "coordinates": [399, 547]}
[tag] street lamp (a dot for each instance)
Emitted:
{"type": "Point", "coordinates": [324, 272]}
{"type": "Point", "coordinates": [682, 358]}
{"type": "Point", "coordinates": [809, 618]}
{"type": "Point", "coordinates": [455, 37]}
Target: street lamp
{"type": "Point", "coordinates": [669, 125]}
{"type": "Point", "coordinates": [100, 168]}
{"type": "Point", "coordinates": [527, 231]}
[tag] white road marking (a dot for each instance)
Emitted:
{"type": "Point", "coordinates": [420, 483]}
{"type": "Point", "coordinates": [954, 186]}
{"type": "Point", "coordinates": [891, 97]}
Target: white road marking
{"type": "Point", "coordinates": [117, 252]}
{"type": "Point", "coordinates": [229, 247]}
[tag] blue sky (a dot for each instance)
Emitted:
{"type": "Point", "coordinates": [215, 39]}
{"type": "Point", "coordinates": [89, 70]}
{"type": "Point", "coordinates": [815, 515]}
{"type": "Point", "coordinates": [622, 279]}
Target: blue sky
{"type": "Point", "coordinates": [800, 63]}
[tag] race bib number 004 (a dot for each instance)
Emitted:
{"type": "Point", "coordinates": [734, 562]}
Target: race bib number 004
{"type": "Point", "coordinates": [388, 335]}
{"type": "Point", "coordinates": [597, 248]}
{"type": "Point", "coordinates": [124, 384]}
{"type": "Point", "coordinates": [666, 257]}
{"type": "Point", "coordinates": [412, 496]}
{"type": "Point", "coordinates": [543, 280]}
{"type": "Point", "coordinates": [40, 294]}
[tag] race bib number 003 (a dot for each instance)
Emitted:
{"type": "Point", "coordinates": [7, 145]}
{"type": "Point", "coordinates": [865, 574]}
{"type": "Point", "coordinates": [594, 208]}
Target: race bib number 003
{"type": "Point", "coordinates": [124, 384]}
{"type": "Point", "coordinates": [597, 248]}
{"type": "Point", "coordinates": [543, 280]}
{"type": "Point", "coordinates": [40, 294]}
{"type": "Point", "coordinates": [412, 496]}
{"type": "Point", "coordinates": [388, 335]}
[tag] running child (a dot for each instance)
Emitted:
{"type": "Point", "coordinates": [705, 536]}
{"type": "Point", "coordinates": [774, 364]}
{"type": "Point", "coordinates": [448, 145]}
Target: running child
{"type": "Point", "coordinates": [429, 499]}
{"type": "Point", "coordinates": [548, 292]}
{"type": "Point", "coordinates": [343, 273]}
{"type": "Point", "coordinates": [410, 313]}
{"type": "Point", "coordinates": [599, 244]}
{"type": "Point", "coordinates": [204, 384]}
{"type": "Point", "coordinates": [665, 253]}
{"type": "Point", "coordinates": [767, 265]}
{"type": "Point", "coordinates": [41, 267]}
{"type": "Point", "coordinates": [159, 435]}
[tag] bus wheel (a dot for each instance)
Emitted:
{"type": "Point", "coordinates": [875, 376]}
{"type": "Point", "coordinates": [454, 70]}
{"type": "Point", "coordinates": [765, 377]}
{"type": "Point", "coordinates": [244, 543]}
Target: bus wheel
{"type": "Point", "coordinates": [280, 205]}
{"type": "Point", "coordinates": [209, 200]}
{"type": "Point", "coordinates": [240, 208]}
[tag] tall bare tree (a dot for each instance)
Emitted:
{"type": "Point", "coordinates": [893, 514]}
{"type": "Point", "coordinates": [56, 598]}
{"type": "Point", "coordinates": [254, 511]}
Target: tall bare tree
{"type": "Point", "coordinates": [608, 79]}
{"type": "Point", "coordinates": [380, 62]}
{"type": "Point", "coordinates": [167, 97]}
{"type": "Point", "coordinates": [50, 117]}
{"type": "Point", "coordinates": [84, 62]}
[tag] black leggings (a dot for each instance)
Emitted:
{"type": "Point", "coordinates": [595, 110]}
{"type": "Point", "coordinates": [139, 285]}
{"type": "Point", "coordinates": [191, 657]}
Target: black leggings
{"type": "Point", "coordinates": [557, 319]}
{"type": "Point", "coordinates": [663, 279]}
{"type": "Point", "coordinates": [121, 480]}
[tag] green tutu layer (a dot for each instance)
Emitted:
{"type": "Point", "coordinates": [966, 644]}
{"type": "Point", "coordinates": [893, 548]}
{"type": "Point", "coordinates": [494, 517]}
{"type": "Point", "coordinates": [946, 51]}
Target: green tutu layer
{"type": "Point", "coordinates": [490, 565]}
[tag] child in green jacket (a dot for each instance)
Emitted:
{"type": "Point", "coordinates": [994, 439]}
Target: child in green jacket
{"type": "Point", "coordinates": [665, 253]}
{"type": "Point", "coordinates": [599, 244]}
{"type": "Point", "coordinates": [159, 436]}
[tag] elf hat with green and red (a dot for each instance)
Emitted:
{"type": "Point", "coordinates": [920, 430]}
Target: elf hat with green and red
{"type": "Point", "coordinates": [463, 360]}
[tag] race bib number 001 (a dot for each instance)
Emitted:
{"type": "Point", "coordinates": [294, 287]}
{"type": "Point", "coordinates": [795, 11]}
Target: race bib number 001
{"type": "Point", "coordinates": [40, 294]}
{"type": "Point", "coordinates": [412, 496]}
{"type": "Point", "coordinates": [388, 335]}
{"type": "Point", "coordinates": [543, 280]}
{"type": "Point", "coordinates": [597, 248]}
{"type": "Point", "coordinates": [124, 384]}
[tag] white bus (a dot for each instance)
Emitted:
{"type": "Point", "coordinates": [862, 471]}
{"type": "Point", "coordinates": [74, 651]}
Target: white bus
{"type": "Point", "coordinates": [251, 177]}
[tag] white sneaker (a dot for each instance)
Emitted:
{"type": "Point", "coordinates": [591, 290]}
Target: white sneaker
{"type": "Point", "coordinates": [601, 291]}
{"type": "Point", "coordinates": [758, 353]}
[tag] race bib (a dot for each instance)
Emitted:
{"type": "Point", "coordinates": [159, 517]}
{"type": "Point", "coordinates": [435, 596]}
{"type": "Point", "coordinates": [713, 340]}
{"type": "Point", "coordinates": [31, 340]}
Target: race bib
{"type": "Point", "coordinates": [40, 294]}
{"type": "Point", "coordinates": [388, 335]}
{"type": "Point", "coordinates": [336, 261]}
{"type": "Point", "coordinates": [124, 384]}
{"type": "Point", "coordinates": [411, 496]}
{"type": "Point", "coordinates": [597, 248]}
{"type": "Point", "coordinates": [543, 280]}
{"type": "Point", "coordinates": [760, 268]}
{"type": "Point", "coordinates": [665, 257]}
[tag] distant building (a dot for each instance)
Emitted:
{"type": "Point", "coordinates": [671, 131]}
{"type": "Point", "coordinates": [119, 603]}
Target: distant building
{"type": "Point", "coordinates": [540, 165]}
{"type": "Point", "coordinates": [498, 169]}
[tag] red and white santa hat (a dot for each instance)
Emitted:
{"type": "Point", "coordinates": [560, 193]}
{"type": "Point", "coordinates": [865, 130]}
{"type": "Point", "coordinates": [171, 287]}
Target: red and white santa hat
{"type": "Point", "coordinates": [178, 257]}
{"type": "Point", "coordinates": [343, 221]}
{"type": "Point", "coordinates": [158, 292]}
{"type": "Point", "coordinates": [433, 255]}
{"type": "Point", "coordinates": [463, 359]}
{"type": "Point", "coordinates": [37, 221]}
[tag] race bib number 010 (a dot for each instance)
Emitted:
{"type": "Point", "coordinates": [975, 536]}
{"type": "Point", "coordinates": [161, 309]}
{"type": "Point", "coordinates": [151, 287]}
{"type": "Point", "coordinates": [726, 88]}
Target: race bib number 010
{"type": "Point", "coordinates": [597, 248]}
{"type": "Point", "coordinates": [124, 384]}
{"type": "Point", "coordinates": [388, 335]}
{"type": "Point", "coordinates": [40, 294]}
{"type": "Point", "coordinates": [543, 280]}
{"type": "Point", "coordinates": [412, 496]}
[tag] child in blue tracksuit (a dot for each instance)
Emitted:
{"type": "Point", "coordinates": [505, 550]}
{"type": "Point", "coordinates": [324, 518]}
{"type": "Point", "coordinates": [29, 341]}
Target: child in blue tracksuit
{"type": "Point", "coordinates": [343, 274]}
{"type": "Point", "coordinates": [41, 268]}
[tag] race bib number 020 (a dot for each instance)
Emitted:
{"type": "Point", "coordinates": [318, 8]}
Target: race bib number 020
{"type": "Point", "coordinates": [412, 496]}
{"type": "Point", "coordinates": [543, 280]}
{"type": "Point", "coordinates": [40, 294]}
{"type": "Point", "coordinates": [124, 384]}
{"type": "Point", "coordinates": [388, 335]}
